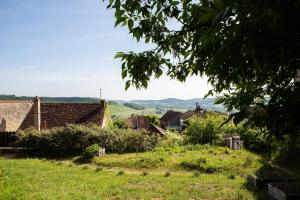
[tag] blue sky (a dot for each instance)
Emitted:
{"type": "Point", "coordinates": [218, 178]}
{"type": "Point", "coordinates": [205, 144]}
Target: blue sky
{"type": "Point", "coordinates": [66, 48]}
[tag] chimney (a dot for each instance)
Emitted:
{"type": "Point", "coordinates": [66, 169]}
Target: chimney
{"type": "Point", "coordinates": [37, 113]}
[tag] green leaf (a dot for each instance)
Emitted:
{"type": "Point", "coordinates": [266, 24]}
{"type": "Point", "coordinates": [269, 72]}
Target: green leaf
{"type": "Point", "coordinates": [120, 55]}
{"type": "Point", "coordinates": [130, 24]}
{"type": "Point", "coordinates": [127, 85]}
{"type": "Point", "coordinates": [124, 73]}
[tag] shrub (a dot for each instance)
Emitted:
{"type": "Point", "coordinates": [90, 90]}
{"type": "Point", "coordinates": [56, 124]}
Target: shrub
{"type": "Point", "coordinates": [73, 139]}
{"type": "Point", "coordinates": [98, 169]}
{"type": "Point", "coordinates": [2, 173]}
{"type": "Point", "coordinates": [200, 164]}
{"type": "Point", "coordinates": [195, 164]}
{"type": "Point", "coordinates": [120, 173]}
{"type": "Point", "coordinates": [149, 162]}
{"type": "Point", "coordinates": [145, 173]}
{"type": "Point", "coordinates": [231, 176]}
{"type": "Point", "coordinates": [171, 140]}
{"type": "Point", "coordinates": [211, 129]}
{"type": "Point", "coordinates": [204, 130]}
{"type": "Point", "coordinates": [196, 174]}
{"type": "Point", "coordinates": [90, 152]}
{"type": "Point", "coordinates": [167, 173]}
{"type": "Point", "coordinates": [119, 123]}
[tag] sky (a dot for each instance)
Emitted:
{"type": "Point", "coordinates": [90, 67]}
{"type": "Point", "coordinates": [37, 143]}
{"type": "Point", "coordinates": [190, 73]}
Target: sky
{"type": "Point", "coordinates": [66, 47]}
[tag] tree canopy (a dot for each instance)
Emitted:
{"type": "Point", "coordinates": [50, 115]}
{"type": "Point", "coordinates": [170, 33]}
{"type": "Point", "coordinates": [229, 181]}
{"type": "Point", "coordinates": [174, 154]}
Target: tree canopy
{"type": "Point", "coordinates": [249, 50]}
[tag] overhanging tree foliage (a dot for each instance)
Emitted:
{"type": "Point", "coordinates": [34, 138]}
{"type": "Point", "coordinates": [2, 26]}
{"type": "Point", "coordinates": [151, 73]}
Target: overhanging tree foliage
{"type": "Point", "coordinates": [249, 50]}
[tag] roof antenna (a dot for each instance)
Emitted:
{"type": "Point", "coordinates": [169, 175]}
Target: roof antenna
{"type": "Point", "coordinates": [100, 94]}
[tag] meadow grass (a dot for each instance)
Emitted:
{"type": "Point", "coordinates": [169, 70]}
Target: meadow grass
{"type": "Point", "coordinates": [124, 177]}
{"type": "Point", "coordinates": [187, 158]}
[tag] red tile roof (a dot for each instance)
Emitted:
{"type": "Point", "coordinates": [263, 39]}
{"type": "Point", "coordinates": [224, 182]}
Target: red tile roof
{"type": "Point", "coordinates": [60, 114]}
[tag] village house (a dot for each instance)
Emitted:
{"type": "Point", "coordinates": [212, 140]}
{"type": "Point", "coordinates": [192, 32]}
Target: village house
{"type": "Point", "coordinates": [19, 114]}
{"type": "Point", "coordinates": [175, 120]}
{"type": "Point", "coordinates": [142, 122]}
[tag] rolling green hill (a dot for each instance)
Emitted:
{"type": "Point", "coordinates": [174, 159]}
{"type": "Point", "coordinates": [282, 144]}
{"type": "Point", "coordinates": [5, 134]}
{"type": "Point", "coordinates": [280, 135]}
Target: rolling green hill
{"type": "Point", "coordinates": [123, 111]}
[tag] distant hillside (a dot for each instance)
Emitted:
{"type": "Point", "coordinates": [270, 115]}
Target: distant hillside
{"type": "Point", "coordinates": [52, 99]}
{"type": "Point", "coordinates": [173, 103]}
{"type": "Point", "coordinates": [156, 106]}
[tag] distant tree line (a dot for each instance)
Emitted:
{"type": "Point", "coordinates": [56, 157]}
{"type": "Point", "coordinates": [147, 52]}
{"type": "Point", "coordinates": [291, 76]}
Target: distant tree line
{"type": "Point", "coordinates": [134, 106]}
{"type": "Point", "coordinates": [54, 99]}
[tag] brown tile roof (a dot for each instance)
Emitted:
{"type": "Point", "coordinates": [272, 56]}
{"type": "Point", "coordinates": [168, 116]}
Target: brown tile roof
{"type": "Point", "coordinates": [188, 114]}
{"type": "Point", "coordinates": [13, 113]}
{"type": "Point", "coordinates": [60, 114]}
{"type": "Point", "coordinates": [156, 129]}
{"type": "Point", "coordinates": [170, 115]}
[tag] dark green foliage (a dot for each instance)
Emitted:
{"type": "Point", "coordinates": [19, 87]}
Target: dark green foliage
{"type": "Point", "coordinates": [90, 152]}
{"type": "Point", "coordinates": [134, 106]}
{"type": "Point", "coordinates": [73, 139]}
{"type": "Point", "coordinates": [2, 173]}
{"type": "Point", "coordinates": [196, 174]}
{"type": "Point", "coordinates": [204, 130]}
{"type": "Point", "coordinates": [211, 129]}
{"type": "Point", "coordinates": [198, 164]}
{"type": "Point", "coordinates": [119, 123]}
{"type": "Point", "coordinates": [154, 119]}
{"type": "Point", "coordinates": [98, 169]}
{"type": "Point", "coordinates": [231, 176]}
{"type": "Point", "coordinates": [120, 173]}
{"type": "Point", "coordinates": [249, 50]}
{"type": "Point", "coordinates": [167, 173]}
{"type": "Point", "coordinates": [145, 173]}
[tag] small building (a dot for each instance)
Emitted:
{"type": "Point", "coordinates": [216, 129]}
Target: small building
{"type": "Point", "coordinates": [172, 120]}
{"type": "Point", "coordinates": [19, 114]}
{"type": "Point", "coordinates": [141, 122]}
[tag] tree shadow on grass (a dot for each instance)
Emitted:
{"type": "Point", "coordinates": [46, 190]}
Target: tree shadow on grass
{"type": "Point", "coordinates": [257, 183]}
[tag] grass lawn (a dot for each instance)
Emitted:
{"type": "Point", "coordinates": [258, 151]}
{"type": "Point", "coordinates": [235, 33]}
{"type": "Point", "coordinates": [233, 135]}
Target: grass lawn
{"type": "Point", "coordinates": [182, 173]}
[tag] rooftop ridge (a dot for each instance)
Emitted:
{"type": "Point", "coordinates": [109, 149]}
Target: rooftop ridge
{"type": "Point", "coordinates": [16, 101]}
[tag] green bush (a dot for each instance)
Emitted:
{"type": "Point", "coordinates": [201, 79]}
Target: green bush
{"type": "Point", "coordinates": [73, 139]}
{"type": "Point", "coordinates": [171, 140]}
{"type": "Point", "coordinates": [90, 152]}
{"type": "Point", "coordinates": [2, 173]}
{"type": "Point", "coordinates": [149, 162]}
{"type": "Point", "coordinates": [119, 123]}
{"type": "Point", "coordinates": [211, 129]}
{"type": "Point", "coordinates": [204, 130]}
{"type": "Point", "coordinates": [200, 164]}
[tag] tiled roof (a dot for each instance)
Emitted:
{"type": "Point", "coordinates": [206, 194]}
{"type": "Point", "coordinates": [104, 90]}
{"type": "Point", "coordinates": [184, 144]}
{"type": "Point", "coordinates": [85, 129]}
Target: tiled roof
{"type": "Point", "coordinates": [13, 113]}
{"type": "Point", "coordinates": [170, 115]}
{"type": "Point", "coordinates": [188, 114]}
{"type": "Point", "coordinates": [156, 129]}
{"type": "Point", "coordinates": [60, 114]}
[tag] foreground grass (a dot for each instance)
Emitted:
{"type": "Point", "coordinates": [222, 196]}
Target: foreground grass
{"type": "Point", "coordinates": [119, 177]}
{"type": "Point", "coordinates": [202, 158]}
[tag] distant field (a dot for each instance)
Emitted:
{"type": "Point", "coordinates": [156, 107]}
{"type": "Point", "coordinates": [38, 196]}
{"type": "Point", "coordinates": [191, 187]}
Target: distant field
{"type": "Point", "coordinates": [124, 111]}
